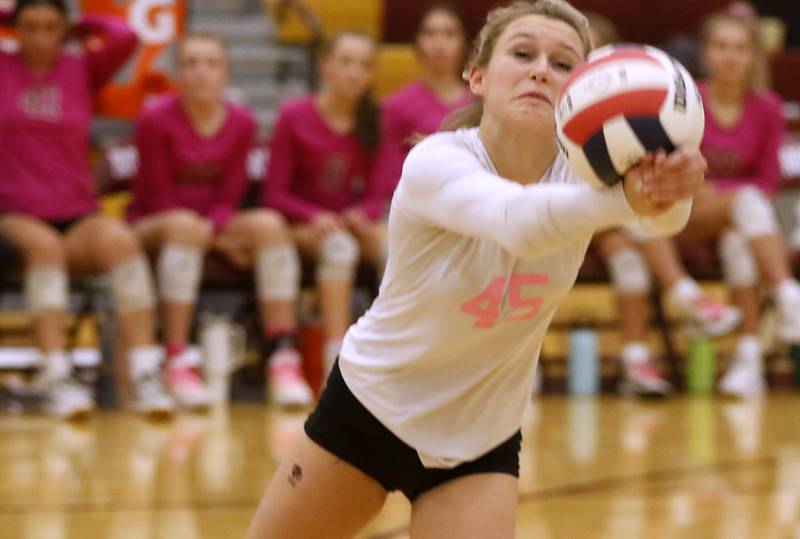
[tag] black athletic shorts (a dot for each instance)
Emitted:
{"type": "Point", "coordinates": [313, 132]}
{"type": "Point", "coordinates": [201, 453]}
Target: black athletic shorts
{"type": "Point", "coordinates": [341, 425]}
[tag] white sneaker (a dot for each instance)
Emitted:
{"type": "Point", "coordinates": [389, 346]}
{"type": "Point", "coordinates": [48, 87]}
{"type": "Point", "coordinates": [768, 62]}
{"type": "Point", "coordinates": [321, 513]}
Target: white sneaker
{"type": "Point", "coordinates": [744, 380]}
{"type": "Point", "coordinates": [69, 399]}
{"type": "Point", "coordinates": [642, 379]}
{"type": "Point", "coordinates": [150, 397]}
{"type": "Point", "coordinates": [711, 317]}
{"type": "Point", "coordinates": [287, 387]}
{"type": "Point", "coordinates": [186, 384]}
{"type": "Point", "coordinates": [789, 322]}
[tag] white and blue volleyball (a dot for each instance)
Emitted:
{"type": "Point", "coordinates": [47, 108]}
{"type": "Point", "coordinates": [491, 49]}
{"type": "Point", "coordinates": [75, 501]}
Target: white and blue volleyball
{"type": "Point", "coordinates": [624, 101]}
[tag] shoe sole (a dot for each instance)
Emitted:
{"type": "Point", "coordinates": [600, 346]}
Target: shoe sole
{"type": "Point", "coordinates": [627, 390]}
{"type": "Point", "coordinates": [79, 415]}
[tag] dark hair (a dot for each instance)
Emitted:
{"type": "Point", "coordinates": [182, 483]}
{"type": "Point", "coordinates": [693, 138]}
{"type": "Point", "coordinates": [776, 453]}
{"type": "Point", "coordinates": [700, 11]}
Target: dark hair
{"type": "Point", "coordinates": [367, 113]}
{"type": "Point", "coordinates": [22, 5]}
{"type": "Point", "coordinates": [445, 7]}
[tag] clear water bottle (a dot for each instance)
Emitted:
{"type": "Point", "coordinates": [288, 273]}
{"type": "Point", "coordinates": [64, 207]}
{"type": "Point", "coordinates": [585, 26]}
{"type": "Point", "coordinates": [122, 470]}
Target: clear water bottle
{"type": "Point", "coordinates": [583, 378]}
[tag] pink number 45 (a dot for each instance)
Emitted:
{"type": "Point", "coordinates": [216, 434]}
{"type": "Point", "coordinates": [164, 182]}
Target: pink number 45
{"type": "Point", "coordinates": [486, 305]}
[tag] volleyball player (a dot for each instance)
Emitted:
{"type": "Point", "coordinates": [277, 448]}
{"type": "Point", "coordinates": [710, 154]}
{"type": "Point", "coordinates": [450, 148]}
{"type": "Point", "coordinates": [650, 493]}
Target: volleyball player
{"type": "Point", "coordinates": [487, 230]}
{"type": "Point", "coordinates": [193, 148]}
{"type": "Point", "coordinates": [325, 177]}
{"type": "Point", "coordinates": [48, 208]}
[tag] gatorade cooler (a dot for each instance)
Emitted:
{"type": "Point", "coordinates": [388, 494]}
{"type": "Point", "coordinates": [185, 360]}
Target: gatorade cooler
{"type": "Point", "coordinates": [159, 24]}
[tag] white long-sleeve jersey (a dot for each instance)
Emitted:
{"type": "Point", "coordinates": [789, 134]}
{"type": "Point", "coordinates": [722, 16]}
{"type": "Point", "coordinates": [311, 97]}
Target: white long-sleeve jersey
{"type": "Point", "coordinates": [477, 266]}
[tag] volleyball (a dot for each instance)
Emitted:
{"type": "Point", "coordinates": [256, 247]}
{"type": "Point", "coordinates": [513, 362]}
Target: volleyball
{"type": "Point", "coordinates": [624, 101]}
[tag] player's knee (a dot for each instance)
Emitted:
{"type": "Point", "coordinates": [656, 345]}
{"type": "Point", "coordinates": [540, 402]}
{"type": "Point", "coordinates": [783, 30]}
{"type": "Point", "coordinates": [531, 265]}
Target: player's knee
{"type": "Point", "coordinates": [629, 272]}
{"type": "Point", "coordinates": [46, 288]}
{"type": "Point", "coordinates": [277, 273]}
{"type": "Point", "coordinates": [132, 285]}
{"type": "Point", "coordinates": [338, 257]}
{"type": "Point", "coordinates": [179, 269]}
{"type": "Point", "coordinates": [739, 268]}
{"type": "Point", "coordinates": [752, 213]}
{"type": "Point", "coordinates": [115, 242]}
{"type": "Point", "coordinates": [186, 227]}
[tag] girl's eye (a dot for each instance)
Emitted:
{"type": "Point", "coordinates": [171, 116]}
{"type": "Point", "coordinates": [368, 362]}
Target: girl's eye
{"type": "Point", "coordinates": [525, 55]}
{"type": "Point", "coordinates": [564, 66]}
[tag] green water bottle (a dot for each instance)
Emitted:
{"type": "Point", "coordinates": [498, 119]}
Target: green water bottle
{"type": "Point", "coordinates": [700, 366]}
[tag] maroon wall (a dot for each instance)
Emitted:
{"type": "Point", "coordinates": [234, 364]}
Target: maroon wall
{"type": "Point", "coordinates": [637, 20]}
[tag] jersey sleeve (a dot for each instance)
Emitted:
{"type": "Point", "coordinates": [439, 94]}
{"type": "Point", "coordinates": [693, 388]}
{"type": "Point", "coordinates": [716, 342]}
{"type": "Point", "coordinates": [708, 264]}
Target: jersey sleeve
{"type": "Point", "coordinates": [281, 171]}
{"type": "Point", "coordinates": [118, 42]}
{"type": "Point", "coordinates": [445, 185]}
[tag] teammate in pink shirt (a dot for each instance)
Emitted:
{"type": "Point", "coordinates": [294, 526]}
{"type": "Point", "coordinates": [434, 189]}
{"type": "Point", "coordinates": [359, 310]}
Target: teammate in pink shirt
{"type": "Point", "coordinates": [325, 175]}
{"type": "Point", "coordinates": [193, 149]}
{"type": "Point", "coordinates": [419, 109]}
{"type": "Point", "coordinates": [743, 133]}
{"type": "Point", "coordinates": [47, 202]}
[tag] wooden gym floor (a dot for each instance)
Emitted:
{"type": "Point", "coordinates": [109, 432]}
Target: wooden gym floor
{"type": "Point", "coordinates": [685, 467]}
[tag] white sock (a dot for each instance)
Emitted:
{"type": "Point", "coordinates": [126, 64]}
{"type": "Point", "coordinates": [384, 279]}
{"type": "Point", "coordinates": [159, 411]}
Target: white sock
{"type": "Point", "coordinates": [331, 352]}
{"type": "Point", "coordinates": [787, 294]}
{"type": "Point", "coordinates": [748, 350]}
{"type": "Point", "coordinates": [144, 360]}
{"type": "Point", "coordinates": [56, 365]}
{"type": "Point", "coordinates": [635, 352]}
{"type": "Point", "coordinates": [685, 292]}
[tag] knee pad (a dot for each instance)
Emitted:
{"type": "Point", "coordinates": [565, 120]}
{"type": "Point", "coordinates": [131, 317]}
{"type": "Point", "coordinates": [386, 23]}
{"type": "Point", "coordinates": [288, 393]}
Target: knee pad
{"type": "Point", "coordinates": [739, 268]}
{"type": "Point", "coordinates": [46, 288]}
{"type": "Point", "coordinates": [179, 269]}
{"type": "Point", "coordinates": [277, 273]}
{"type": "Point", "coordinates": [752, 213]}
{"type": "Point", "coordinates": [338, 256]}
{"type": "Point", "coordinates": [132, 285]}
{"type": "Point", "coordinates": [629, 272]}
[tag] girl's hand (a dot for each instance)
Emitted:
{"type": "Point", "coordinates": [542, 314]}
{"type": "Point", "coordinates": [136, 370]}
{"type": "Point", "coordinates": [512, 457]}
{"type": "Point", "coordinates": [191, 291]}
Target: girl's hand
{"type": "Point", "coordinates": [659, 181]}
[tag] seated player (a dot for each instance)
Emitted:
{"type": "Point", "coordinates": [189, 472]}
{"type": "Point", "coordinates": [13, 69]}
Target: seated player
{"type": "Point", "coordinates": [325, 176]}
{"type": "Point", "coordinates": [193, 147]}
{"type": "Point", "coordinates": [48, 208]}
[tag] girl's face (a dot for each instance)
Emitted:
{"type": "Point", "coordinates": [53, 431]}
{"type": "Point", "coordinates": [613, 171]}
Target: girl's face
{"type": "Point", "coordinates": [41, 29]}
{"type": "Point", "coordinates": [441, 43]}
{"type": "Point", "coordinates": [202, 69]}
{"type": "Point", "coordinates": [349, 68]}
{"type": "Point", "coordinates": [530, 63]}
{"type": "Point", "coordinates": [729, 54]}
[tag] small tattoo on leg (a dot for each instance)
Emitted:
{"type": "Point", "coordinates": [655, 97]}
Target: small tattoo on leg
{"type": "Point", "coordinates": [296, 475]}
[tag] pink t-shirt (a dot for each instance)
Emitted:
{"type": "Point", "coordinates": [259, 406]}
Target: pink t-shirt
{"type": "Point", "coordinates": [415, 110]}
{"type": "Point", "coordinates": [179, 168]}
{"type": "Point", "coordinates": [313, 169]}
{"type": "Point", "coordinates": [412, 111]}
{"type": "Point", "coordinates": [746, 153]}
{"type": "Point", "coordinates": [44, 124]}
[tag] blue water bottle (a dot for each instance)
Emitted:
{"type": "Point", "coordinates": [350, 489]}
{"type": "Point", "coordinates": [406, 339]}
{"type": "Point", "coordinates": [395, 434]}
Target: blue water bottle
{"type": "Point", "coordinates": [583, 362]}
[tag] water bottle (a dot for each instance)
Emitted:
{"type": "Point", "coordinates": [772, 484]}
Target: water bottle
{"type": "Point", "coordinates": [583, 362]}
{"type": "Point", "coordinates": [700, 366]}
{"type": "Point", "coordinates": [223, 348]}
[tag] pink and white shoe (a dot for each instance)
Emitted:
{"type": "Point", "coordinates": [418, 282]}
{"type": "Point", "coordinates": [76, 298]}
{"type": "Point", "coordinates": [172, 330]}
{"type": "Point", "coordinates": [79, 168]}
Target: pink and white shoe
{"type": "Point", "coordinates": [642, 379]}
{"type": "Point", "coordinates": [186, 384]}
{"type": "Point", "coordinates": [712, 317]}
{"type": "Point", "coordinates": [287, 386]}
